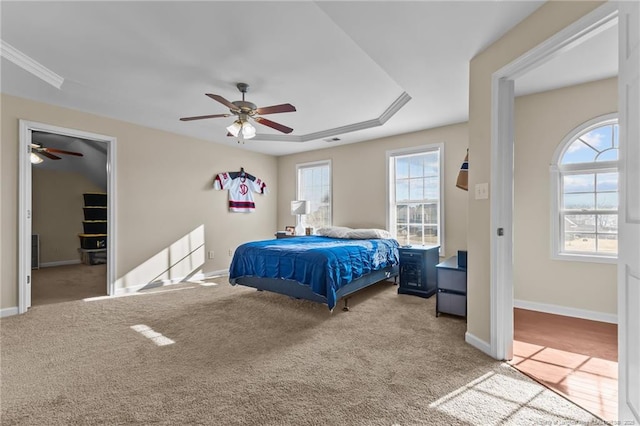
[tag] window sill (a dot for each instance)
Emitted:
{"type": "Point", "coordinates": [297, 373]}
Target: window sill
{"type": "Point", "coordinates": [573, 257]}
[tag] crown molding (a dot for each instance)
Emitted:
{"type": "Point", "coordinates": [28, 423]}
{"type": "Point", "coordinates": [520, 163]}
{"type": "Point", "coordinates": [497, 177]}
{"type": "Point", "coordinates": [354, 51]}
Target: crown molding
{"type": "Point", "coordinates": [28, 64]}
{"type": "Point", "coordinates": [367, 124]}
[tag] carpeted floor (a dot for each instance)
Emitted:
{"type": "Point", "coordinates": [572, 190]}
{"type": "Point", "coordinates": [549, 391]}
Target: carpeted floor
{"type": "Point", "coordinates": [66, 283]}
{"type": "Point", "coordinates": [234, 356]}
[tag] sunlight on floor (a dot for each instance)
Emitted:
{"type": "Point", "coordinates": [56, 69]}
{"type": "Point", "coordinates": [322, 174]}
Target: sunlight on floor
{"type": "Point", "coordinates": [496, 398]}
{"type": "Point", "coordinates": [142, 293]}
{"type": "Point", "coordinates": [155, 337]}
{"type": "Point", "coordinates": [588, 381]}
{"type": "Point", "coordinates": [205, 282]}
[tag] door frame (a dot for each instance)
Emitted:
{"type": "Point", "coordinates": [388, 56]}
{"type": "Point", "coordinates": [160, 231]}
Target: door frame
{"type": "Point", "coordinates": [502, 147]}
{"type": "Point", "coordinates": [24, 204]}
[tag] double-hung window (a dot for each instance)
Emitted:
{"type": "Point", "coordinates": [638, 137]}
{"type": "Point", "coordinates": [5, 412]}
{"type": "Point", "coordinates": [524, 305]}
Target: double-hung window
{"type": "Point", "coordinates": [585, 204]}
{"type": "Point", "coordinates": [415, 195]}
{"type": "Point", "coordinates": [314, 186]}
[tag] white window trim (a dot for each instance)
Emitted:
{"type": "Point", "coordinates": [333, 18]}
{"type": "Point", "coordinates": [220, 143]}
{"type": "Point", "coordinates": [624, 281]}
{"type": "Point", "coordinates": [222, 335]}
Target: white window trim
{"type": "Point", "coordinates": [556, 173]}
{"type": "Point", "coordinates": [313, 164]}
{"type": "Point", "coordinates": [417, 150]}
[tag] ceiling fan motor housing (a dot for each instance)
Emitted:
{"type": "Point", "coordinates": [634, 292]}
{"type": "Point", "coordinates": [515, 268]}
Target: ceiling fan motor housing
{"type": "Point", "coordinates": [244, 107]}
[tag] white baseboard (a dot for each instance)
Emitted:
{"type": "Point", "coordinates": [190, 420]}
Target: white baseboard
{"type": "Point", "coordinates": [219, 273]}
{"type": "Point", "coordinates": [566, 311]}
{"type": "Point", "coordinates": [477, 343]}
{"type": "Point", "coordinates": [7, 312]}
{"type": "Point", "coordinates": [161, 283]}
{"type": "Point", "coordinates": [60, 263]}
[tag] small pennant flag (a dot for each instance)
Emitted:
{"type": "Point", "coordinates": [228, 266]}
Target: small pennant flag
{"type": "Point", "coordinates": [463, 174]}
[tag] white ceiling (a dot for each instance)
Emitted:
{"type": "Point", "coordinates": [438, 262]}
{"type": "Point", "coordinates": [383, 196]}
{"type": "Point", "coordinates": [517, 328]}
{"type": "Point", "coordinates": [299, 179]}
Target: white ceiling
{"type": "Point", "coordinates": [593, 59]}
{"type": "Point", "coordinates": [343, 64]}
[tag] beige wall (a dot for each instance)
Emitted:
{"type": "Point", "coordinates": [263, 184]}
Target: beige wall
{"type": "Point", "coordinates": [539, 26]}
{"type": "Point", "coordinates": [166, 205]}
{"type": "Point", "coordinates": [360, 182]}
{"type": "Point", "coordinates": [538, 278]}
{"type": "Point", "coordinates": [57, 204]}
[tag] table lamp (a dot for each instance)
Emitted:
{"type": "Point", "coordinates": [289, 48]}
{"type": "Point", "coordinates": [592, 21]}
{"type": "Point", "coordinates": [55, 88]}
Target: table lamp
{"type": "Point", "coordinates": [299, 208]}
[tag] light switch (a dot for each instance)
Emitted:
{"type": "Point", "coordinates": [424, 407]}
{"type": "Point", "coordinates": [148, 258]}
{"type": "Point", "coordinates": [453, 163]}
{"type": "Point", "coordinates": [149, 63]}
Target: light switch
{"type": "Point", "coordinates": [482, 191]}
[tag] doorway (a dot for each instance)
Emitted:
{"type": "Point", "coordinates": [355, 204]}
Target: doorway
{"type": "Point", "coordinates": [555, 338]}
{"type": "Point", "coordinates": [33, 136]}
{"type": "Point", "coordinates": [501, 329]}
{"type": "Point", "coordinates": [502, 147]}
{"type": "Point", "coordinates": [69, 218]}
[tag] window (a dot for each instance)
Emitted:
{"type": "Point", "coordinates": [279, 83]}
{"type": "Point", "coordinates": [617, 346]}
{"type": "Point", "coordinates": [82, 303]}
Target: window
{"type": "Point", "coordinates": [314, 185]}
{"type": "Point", "coordinates": [415, 195]}
{"type": "Point", "coordinates": [585, 177]}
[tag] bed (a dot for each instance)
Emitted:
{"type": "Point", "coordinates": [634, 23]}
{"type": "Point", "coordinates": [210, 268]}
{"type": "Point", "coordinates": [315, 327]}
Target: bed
{"type": "Point", "coordinates": [318, 268]}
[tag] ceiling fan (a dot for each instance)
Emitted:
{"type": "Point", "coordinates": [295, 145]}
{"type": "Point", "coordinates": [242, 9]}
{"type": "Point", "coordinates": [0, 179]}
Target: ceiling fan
{"type": "Point", "coordinates": [244, 111]}
{"type": "Point", "coordinates": [49, 153]}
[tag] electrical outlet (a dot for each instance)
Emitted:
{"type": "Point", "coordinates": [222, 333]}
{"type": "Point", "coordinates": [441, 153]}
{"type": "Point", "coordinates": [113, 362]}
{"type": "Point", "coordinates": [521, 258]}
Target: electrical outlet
{"type": "Point", "coordinates": [210, 254]}
{"type": "Point", "coordinates": [482, 191]}
{"type": "Point", "coordinates": [230, 252]}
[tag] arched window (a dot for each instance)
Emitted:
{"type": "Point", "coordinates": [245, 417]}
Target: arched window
{"type": "Point", "coordinates": [585, 186]}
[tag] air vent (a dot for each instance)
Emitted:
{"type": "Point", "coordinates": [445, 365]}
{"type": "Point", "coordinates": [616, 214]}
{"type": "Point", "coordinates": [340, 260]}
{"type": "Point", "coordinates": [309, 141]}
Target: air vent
{"type": "Point", "coordinates": [331, 140]}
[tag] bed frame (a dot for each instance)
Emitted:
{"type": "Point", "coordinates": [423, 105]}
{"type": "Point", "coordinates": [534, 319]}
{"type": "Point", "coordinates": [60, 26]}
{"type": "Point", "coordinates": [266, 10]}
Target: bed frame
{"type": "Point", "coordinates": [301, 291]}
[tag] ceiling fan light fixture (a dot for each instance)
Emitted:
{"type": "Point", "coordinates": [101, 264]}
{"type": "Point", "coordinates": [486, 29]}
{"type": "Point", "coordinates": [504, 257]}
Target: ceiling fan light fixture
{"type": "Point", "coordinates": [234, 129]}
{"type": "Point", "coordinates": [248, 131]}
{"type": "Point", "coordinates": [238, 126]}
{"type": "Point", "coordinates": [35, 158]}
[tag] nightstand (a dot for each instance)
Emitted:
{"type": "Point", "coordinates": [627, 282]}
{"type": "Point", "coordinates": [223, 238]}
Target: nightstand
{"type": "Point", "coordinates": [452, 288]}
{"type": "Point", "coordinates": [280, 235]}
{"type": "Point", "coordinates": [418, 270]}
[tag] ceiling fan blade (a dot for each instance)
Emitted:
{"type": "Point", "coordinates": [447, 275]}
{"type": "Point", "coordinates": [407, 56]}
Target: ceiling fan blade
{"type": "Point", "coordinates": [200, 117]}
{"type": "Point", "coordinates": [48, 155]}
{"type": "Point", "coordinates": [273, 109]}
{"type": "Point", "coordinates": [223, 101]}
{"type": "Point", "coordinates": [61, 151]}
{"type": "Point", "coordinates": [274, 125]}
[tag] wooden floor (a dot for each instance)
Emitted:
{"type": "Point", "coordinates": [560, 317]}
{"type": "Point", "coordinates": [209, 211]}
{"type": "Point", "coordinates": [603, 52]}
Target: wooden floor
{"type": "Point", "coordinates": [577, 358]}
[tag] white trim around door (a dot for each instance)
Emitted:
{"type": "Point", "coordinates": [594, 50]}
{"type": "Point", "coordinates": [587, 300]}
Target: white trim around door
{"type": "Point", "coordinates": [24, 205]}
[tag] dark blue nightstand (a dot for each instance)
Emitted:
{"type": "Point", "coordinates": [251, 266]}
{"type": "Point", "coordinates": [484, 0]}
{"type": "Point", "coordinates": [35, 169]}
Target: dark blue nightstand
{"type": "Point", "coordinates": [418, 270]}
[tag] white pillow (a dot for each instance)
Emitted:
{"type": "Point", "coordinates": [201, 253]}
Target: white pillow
{"type": "Point", "coordinates": [365, 234]}
{"type": "Point", "coordinates": [334, 231]}
{"type": "Point", "coordinates": [354, 234]}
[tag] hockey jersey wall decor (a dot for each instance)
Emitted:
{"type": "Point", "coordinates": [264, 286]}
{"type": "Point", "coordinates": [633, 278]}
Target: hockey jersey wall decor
{"type": "Point", "coordinates": [241, 187]}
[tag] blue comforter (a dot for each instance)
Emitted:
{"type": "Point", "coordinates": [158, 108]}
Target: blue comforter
{"type": "Point", "coordinates": [325, 264]}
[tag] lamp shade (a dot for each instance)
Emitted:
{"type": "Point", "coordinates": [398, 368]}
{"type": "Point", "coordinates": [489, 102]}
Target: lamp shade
{"type": "Point", "coordinates": [234, 129]}
{"type": "Point", "coordinates": [248, 131]}
{"type": "Point", "coordinates": [35, 158]}
{"type": "Point", "coordinates": [300, 207]}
